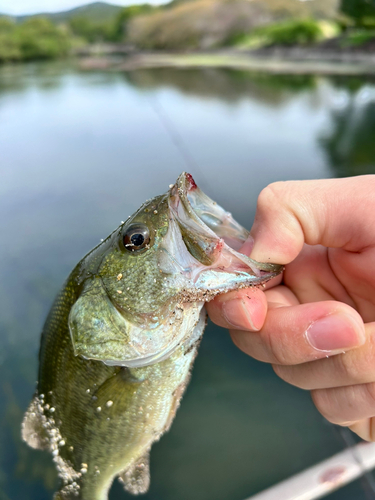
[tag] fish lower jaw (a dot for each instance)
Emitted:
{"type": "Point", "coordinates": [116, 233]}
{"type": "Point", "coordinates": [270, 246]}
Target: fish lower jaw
{"type": "Point", "coordinates": [201, 291]}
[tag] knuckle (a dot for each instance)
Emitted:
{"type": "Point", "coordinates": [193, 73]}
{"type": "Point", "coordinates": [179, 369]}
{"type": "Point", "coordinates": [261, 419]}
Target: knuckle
{"type": "Point", "coordinates": [280, 372]}
{"type": "Point", "coordinates": [323, 403]}
{"type": "Point", "coordinates": [370, 393]}
{"type": "Point", "coordinates": [236, 339]}
{"type": "Point", "coordinates": [279, 353]}
{"type": "Point", "coordinates": [357, 366]}
{"type": "Point", "coordinates": [290, 374]}
{"type": "Point", "coordinates": [247, 345]}
{"type": "Point", "coordinates": [349, 369]}
{"type": "Point", "coordinates": [254, 348]}
{"type": "Point", "coordinates": [270, 194]}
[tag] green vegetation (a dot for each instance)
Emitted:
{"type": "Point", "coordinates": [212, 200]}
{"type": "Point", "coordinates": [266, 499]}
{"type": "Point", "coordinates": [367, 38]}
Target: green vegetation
{"type": "Point", "coordinates": [362, 12]}
{"type": "Point", "coordinates": [360, 22]}
{"type": "Point", "coordinates": [358, 37]}
{"type": "Point", "coordinates": [124, 17]}
{"type": "Point", "coordinates": [113, 29]}
{"type": "Point", "coordinates": [39, 38]}
{"type": "Point", "coordinates": [9, 47]}
{"type": "Point", "coordinates": [91, 31]}
{"type": "Point", "coordinates": [36, 38]}
{"type": "Point", "coordinates": [189, 25]}
{"type": "Point", "coordinates": [293, 32]}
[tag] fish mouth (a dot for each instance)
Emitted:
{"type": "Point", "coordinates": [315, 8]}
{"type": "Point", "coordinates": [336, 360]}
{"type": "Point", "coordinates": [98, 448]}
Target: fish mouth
{"type": "Point", "coordinates": [198, 257]}
{"type": "Point", "coordinates": [213, 239]}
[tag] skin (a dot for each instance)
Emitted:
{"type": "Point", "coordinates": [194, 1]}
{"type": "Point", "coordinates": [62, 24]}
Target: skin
{"type": "Point", "coordinates": [316, 323]}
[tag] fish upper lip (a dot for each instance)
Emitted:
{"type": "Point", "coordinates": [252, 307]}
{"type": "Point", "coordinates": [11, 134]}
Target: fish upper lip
{"type": "Point", "coordinates": [228, 232]}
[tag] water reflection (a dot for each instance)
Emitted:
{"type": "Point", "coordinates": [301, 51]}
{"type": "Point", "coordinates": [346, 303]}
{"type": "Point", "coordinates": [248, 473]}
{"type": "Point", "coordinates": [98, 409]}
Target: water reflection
{"type": "Point", "coordinates": [231, 86]}
{"type": "Point", "coordinates": [350, 140]}
{"type": "Point", "coordinates": [78, 152]}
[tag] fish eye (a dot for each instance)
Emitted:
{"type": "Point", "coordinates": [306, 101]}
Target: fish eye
{"type": "Point", "coordinates": [136, 237]}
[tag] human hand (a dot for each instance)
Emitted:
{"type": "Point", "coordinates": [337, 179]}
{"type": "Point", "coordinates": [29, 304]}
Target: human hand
{"type": "Point", "coordinates": [316, 323]}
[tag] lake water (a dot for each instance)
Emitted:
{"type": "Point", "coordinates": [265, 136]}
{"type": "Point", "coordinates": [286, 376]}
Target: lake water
{"type": "Point", "coordinates": [79, 152]}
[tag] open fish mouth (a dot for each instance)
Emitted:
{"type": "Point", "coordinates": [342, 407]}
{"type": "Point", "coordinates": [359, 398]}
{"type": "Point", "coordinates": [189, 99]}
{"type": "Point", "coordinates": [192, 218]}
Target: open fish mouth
{"type": "Point", "coordinates": [212, 238]}
{"type": "Point", "coordinates": [195, 259]}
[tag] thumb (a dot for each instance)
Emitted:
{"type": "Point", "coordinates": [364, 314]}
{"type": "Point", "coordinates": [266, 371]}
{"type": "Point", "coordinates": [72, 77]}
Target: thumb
{"type": "Point", "coordinates": [335, 213]}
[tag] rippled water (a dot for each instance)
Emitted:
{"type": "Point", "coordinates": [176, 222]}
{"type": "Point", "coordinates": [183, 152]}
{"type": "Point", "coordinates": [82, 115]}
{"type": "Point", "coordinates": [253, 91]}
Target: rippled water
{"type": "Point", "coordinates": [78, 153]}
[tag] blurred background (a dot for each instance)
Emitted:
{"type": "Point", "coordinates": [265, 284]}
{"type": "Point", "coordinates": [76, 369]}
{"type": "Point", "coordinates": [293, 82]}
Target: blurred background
{"type": "Point", "coordinates": [101, 108]}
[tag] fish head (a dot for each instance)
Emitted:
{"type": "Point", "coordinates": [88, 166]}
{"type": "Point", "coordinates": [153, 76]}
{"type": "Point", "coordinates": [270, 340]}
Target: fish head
{"type": "Point", "coordinates": [142, 290]}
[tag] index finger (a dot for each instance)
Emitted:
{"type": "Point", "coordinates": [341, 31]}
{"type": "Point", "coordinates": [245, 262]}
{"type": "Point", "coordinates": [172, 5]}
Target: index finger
{"type": "Point", "coordinates": [332, 212]}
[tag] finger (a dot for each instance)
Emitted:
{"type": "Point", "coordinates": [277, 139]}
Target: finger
{"type": "Point", "coordinates": [364, 428]}
{"type": "Point", "coordinates": [281, 296]}
{"type": "Point", "coordinates": [346, 404]}
{"type": "Point", "coordinates": [311, 277]}
{"type": "Point", "coordinates": [302, 333]}
{"type": "Point", "coordinates": [350, 368]}
{"type": "Point", "coordinates": [331, 212]}
{"type": "Point", "coordinates": [246, 250]}
{"type": "Point", "coordinates": [244, 309]}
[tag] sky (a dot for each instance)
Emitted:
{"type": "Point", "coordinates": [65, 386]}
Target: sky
{"type": "Point", "coordinates": [21, 7]}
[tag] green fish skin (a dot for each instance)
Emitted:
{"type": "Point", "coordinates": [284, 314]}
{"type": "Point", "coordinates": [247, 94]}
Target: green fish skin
{"type": "Point", "coordinates": [119, 342]}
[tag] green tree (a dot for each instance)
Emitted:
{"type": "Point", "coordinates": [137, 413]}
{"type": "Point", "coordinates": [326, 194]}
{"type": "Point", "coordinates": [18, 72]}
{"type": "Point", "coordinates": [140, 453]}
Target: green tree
{"type": "Point", "coordinates": [359, 10]}
{"type": "Point", "coordinates": [293, 32]}
{"type": "Point", "coordinates": [39, 38]}
{"type": "Point", "coordinates": [9, 45]}
{"type": "Point", "coordinates": [121, 23]}
{"type": "Point", "coordinates": [90, 30]}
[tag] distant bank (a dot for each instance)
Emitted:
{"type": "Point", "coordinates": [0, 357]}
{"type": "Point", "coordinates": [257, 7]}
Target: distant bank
{"type": "Point", "coordinates": [278, 60]}
{"type": "Point", "coordinates": [272, 35]}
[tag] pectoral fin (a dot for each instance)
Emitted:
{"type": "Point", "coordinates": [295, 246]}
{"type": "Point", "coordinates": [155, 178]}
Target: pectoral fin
{"type": "Point", "coordinates": [136, 479]}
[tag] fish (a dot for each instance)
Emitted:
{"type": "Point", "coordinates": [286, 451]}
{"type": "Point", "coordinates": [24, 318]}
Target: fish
{"type": "Point", "coordinates": [119, 342]}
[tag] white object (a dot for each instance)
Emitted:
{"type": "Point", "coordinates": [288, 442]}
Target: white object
{"type": "Point", "coordinates": [325, 477]}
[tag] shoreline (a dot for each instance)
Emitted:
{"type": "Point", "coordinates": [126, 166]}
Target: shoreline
{"type": "Point", "coordinates": [295, 60]}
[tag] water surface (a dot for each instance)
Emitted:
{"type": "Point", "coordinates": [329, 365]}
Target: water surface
{"type": "Point", "coordinates": [79, 152]}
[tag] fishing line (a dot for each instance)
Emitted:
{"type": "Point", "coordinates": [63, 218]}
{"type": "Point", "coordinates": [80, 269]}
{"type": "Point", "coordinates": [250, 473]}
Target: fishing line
{"type": "Point", "coordinates": [177, 140]}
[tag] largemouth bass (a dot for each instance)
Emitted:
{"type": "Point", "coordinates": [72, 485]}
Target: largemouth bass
{"type": "Point", "coordinates": [119, 342]}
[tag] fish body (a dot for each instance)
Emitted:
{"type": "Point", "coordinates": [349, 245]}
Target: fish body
{"type": "Point", "coordinates": [119, 342]}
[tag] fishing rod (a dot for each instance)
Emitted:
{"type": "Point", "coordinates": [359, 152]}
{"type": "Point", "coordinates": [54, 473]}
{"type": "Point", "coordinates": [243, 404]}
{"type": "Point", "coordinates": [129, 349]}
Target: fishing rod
{"type": "Point", "coordinates": [326, 477]}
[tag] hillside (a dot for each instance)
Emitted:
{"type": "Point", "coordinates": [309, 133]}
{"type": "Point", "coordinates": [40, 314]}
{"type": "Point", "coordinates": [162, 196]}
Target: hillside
{"type": "Point", "coordinates": [96, 12]}
{"type": "Point", "coordinates": [204, 24]}
{"type": "Point", "coordinates": [198, 24]}
{"type": "Point", "coordinates": [99, 12]}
